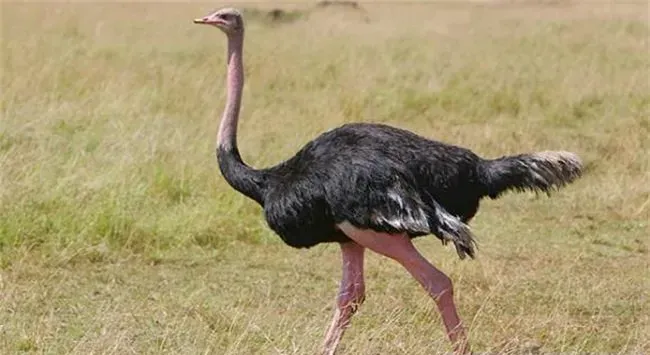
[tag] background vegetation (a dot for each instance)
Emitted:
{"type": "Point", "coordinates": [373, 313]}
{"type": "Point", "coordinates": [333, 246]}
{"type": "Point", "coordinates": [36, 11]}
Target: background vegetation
{"type": "Point", "coordinates": [118, 235]}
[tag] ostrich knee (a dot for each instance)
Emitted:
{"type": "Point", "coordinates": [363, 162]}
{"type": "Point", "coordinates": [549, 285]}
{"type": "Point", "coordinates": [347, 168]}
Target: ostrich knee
{"type": "Point", "coordinates": [350, 297]}
{"type": "Point", "coordinates": [442, 290]}
{"type": "Point", "coordinates": [439, 286]}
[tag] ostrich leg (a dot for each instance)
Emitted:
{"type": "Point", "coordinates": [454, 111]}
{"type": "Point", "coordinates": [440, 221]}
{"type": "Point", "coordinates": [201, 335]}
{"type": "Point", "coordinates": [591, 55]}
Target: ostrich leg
{"type": "Point", "coordinates": [351, 295]}
{"type": "Point", "coordinates": [399, 248]}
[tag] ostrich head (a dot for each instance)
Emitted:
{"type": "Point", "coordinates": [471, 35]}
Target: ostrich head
{"type": "Point", "coordinates": [229, 20]}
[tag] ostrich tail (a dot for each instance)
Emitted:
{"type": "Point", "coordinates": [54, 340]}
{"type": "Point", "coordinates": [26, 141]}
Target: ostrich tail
{"type": "Point", "coordinates": [541, 171]}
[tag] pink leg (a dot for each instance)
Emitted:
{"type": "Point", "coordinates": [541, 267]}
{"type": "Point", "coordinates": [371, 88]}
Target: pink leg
{"type": "Point", "coordinates": [399, 248]}
{"type": "Point", "coordinates": [351, 295]}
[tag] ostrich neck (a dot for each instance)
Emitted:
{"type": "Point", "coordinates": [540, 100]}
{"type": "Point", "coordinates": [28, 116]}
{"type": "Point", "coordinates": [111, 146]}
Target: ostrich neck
{"type": "Point", "coordinates": [240, 176]}
{"type": "Point", "coordinates": [227, 135]}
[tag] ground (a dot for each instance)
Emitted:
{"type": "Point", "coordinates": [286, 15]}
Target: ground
{"type": "Point", "coordinates": [118, 235]}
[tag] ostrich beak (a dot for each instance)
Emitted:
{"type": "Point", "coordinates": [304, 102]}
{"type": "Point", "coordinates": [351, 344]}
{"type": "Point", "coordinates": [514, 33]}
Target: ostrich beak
{"type": "Point", "coordinates": [210, 20]}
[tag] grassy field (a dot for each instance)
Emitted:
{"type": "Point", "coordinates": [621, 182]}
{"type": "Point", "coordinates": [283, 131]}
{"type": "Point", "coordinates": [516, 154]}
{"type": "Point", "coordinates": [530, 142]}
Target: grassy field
{"type": "Point", "coordinates": [118, 234]}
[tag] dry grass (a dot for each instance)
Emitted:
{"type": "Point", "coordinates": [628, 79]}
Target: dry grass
{"type": "Point", "coordinates": [117, 234]}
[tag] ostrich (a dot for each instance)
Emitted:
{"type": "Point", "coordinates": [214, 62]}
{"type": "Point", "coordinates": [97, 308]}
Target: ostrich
{"type": "Point", "coordinates": [373, 186]}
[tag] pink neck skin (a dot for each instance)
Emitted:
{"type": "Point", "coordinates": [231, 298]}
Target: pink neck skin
{"type": "Point", "coordinates": [227, 135]}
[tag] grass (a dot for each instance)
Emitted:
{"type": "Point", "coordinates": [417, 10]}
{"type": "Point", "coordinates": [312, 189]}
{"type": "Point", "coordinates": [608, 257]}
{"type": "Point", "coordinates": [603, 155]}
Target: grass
{"type": "Point", "coordinates": [118, 235]}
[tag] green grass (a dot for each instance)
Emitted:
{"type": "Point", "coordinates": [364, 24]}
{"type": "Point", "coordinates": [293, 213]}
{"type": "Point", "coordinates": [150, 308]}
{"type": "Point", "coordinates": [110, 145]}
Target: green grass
{"type": "Point", "coordinates": [118, 235]}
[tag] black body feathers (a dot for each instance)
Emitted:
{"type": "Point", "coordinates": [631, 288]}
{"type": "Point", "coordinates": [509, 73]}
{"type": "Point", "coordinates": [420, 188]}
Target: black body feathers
{"type": "Point", "coordinates": [387, 179]}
